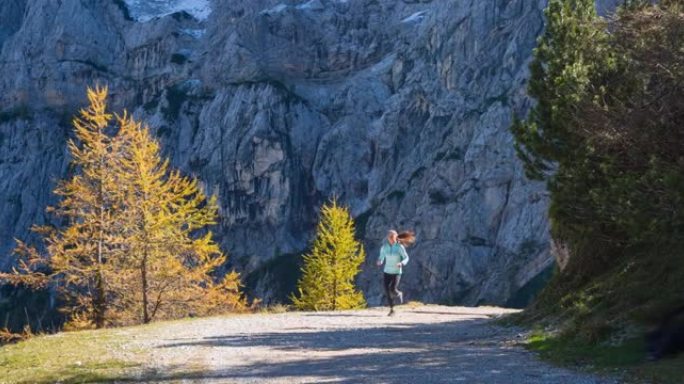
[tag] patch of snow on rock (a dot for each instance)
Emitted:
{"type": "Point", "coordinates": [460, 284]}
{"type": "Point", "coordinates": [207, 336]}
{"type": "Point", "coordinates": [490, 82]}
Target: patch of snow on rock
{"type": "Point", "coordinates": [196, 33]}
{"type": "Point", "coordinates": [314, 5]}
{"type": "Point", "coordinates": [145, 10]}
{"type": "Point", "coordinates": [416, 17]}
{"type": "Point", "coordinates": [277, 9]}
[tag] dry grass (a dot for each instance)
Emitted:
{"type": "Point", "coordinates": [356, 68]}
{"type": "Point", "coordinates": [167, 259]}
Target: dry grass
{"type": "Point", "coordinates": [71, 357]}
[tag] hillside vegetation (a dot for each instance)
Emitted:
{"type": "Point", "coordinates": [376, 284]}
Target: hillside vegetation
{"type": "Point", "coordinates": [607, 133]}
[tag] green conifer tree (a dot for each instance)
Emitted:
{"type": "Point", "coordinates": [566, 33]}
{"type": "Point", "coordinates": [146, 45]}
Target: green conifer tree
{"type": "Point", "coordinates": [574, 70]}
{"type": "Point", "coordinates": [572, 49]}
{"type": "Point", "coordinates": [327, 281]}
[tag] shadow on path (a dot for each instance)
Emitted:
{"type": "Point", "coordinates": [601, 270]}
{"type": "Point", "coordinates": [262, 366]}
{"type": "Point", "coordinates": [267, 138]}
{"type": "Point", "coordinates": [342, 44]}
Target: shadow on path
{"type": "Point", "coordinates": [399, 336]}
{"type": "Point", "coordinates": [469, 351]}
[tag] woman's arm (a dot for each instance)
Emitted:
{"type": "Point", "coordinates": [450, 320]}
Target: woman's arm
{"type": "Point", "coordinates": [404, 255]}
{"type": "Point", "coordinates": [381, 258]}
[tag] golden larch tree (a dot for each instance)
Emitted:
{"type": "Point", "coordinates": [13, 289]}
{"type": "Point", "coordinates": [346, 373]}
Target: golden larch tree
{"type": "Point", "coordinates": [81, 253]}
{"type": "Point", "coordinates": [327, 281]}
{"type": "Point", "coordinates": [171, 253]}
{"type": "Point", "coordinates": [135, 244]}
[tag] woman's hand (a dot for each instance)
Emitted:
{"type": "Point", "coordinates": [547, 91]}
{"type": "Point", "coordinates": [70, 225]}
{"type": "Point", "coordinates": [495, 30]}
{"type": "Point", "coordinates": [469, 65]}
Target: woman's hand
{"type": "Point", "coordinates": [399, 265]}
{"type": "Point", "coordinates": [379, 263]}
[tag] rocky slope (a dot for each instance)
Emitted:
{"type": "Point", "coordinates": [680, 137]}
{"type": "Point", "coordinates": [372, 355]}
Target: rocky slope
{"type": "Point", "coordinates": [399, 108]}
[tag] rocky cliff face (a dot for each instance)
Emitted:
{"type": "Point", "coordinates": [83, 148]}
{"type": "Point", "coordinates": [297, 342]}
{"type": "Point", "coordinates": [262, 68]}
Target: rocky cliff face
{"type": "Point", "coordinates": [400, 109]}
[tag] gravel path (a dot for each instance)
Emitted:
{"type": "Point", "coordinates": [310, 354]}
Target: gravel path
{"type": "Point", "coordinates": [425, 344]}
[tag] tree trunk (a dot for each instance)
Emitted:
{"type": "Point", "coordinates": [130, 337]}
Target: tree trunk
{"type": "Point", "coordinates": [143, 275]}
{"type": "Point", "coordinates": [99, 301]}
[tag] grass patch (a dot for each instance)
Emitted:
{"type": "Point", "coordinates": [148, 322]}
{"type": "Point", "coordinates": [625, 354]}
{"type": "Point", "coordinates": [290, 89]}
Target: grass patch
{"type": "Point", "coordinates": [107, 355]}
{"type": "Point", "coordinates": [666, 371]}
{"type": "Point", "coordinates": [600, 319]}
{"type": "Point", "coordinates": [72, 357]}
{"type": "Point", "coordinates": [635, 292]}
{"type": "Point", "coordinates": [275, 308]}
{"type": "Point", "coordinates": [566, 350]}
{"type": "Point", "coordinates": [627, 358]}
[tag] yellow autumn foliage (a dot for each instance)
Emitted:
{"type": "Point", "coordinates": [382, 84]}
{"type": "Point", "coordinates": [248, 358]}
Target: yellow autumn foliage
{"type": "Point", "coordinates": [135, 246]}
{"type": "Point", "coordinates": [327, 281]}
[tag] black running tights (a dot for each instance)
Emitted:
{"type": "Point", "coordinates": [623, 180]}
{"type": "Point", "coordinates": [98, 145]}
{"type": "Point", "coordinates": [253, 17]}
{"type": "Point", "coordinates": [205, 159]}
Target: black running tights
{"type": "Point", "coordinates": [391, 283]}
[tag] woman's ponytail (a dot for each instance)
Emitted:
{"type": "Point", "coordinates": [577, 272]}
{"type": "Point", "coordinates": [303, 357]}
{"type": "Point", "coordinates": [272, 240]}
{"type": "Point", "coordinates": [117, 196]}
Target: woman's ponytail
{"type": "Point", "coordinates": [406, 238]}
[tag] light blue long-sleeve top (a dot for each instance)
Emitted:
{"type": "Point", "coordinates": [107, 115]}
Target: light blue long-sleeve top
{"type": "Point", "coordinates": [392, 255]}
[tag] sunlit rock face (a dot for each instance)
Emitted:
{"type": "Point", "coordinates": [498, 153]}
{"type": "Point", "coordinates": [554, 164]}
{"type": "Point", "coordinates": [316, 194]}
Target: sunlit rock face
{"type": "Point", "coordinates": [400, 109]}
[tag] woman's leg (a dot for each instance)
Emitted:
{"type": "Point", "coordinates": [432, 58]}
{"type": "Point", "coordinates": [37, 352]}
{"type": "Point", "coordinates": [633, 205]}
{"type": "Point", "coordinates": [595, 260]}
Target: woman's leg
{"type": "Point", "coordinates": [394, 288]}
{"type": "Point", "coordinates": [387, 283]}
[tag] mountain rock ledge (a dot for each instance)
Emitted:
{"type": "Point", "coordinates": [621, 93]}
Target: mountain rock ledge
{"type": "Point", "coordinates": [400, 109]}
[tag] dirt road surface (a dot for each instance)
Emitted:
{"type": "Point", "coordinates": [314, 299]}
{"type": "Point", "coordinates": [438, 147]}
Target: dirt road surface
{"type": "Point", "coordinates": [422, 344]}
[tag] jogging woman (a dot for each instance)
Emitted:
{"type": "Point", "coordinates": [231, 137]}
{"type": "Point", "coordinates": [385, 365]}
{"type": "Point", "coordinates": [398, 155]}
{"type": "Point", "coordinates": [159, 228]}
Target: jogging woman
{"type": "Point", "coordinates": [394, 255]}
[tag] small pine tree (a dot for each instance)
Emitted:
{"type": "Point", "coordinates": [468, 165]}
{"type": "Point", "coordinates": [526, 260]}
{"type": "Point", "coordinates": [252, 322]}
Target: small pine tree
{"type": "Point", "coordinates": [327, 282]}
